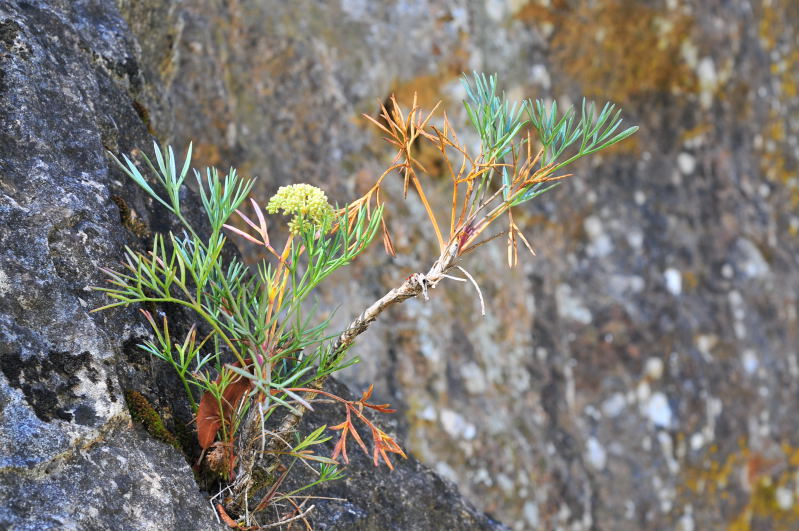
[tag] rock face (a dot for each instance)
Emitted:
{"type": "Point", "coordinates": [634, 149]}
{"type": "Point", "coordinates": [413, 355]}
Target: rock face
{"type": "Point", "coordinates": [69, 456]}
{"type": "Point", "coordinates": [640, 372]}
{"type": "Point", "coordinates": [411, 497]}
{"type": "Point", "coordinates": [74, 82]}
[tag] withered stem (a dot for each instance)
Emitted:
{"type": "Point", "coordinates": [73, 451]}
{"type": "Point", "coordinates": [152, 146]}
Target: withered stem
{"type": "Point", "coordinates": [256, 468]}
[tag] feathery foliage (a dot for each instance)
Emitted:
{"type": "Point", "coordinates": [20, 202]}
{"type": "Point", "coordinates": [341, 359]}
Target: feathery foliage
{"type": "Point", "coordinates": [255, 347]}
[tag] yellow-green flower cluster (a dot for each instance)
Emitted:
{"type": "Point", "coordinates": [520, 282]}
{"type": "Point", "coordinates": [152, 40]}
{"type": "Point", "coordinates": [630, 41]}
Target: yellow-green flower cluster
{"type": "Point", "coordinates": [307, 204]}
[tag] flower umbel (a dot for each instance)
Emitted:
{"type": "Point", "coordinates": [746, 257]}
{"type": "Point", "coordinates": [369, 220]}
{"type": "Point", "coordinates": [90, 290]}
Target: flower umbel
{"type": "Point", "coordinates": [305, 202]}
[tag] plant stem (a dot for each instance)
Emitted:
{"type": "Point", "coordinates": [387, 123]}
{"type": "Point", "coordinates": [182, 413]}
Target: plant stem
{"type": "Point", "coordinates": [253, 473]}
{"type": "Point", "coordinates": [188, 392]}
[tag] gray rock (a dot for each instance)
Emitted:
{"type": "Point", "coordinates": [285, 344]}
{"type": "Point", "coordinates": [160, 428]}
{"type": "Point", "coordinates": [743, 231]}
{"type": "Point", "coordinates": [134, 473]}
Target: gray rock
{"type": "Point", "coordinates": [411, 497]}
{"type": "Point", "coordinates": [69, 456]}
{"type": "Point", "coordinates": [74, 81]}
{"type": "Point", "coordinates": [706, 191]}
{"type": "Point", "coordinates": [572, 426]}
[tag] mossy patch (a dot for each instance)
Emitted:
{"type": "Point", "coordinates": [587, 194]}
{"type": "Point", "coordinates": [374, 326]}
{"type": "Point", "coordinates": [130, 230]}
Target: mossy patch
{"type": "Point", "coordinates": [143, 412]}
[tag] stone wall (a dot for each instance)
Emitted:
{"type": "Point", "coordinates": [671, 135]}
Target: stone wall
{"type": "Point", "coordinates": [75, 82]}
{"type": "Point", "coordinates": [641, 370]}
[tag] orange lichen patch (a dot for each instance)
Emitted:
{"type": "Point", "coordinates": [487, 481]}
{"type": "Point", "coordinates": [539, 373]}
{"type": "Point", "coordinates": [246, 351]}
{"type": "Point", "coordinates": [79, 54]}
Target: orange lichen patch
{"type": "Point", "coordinates": [427, 88]}
{"type": "Point", "coordinates": [689, 281]}
{"type": "Point", "coordinates": [206, 155]}
{"type": "Point", "coordinates": [696, 132]}
{"type": "Point", "coordinates": [618, 49]}
{"type": "Point", "coordinates": [746, 484]}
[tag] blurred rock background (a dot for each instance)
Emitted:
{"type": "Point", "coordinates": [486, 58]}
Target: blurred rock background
{"type": "Point", "coordinates": [641, 370]}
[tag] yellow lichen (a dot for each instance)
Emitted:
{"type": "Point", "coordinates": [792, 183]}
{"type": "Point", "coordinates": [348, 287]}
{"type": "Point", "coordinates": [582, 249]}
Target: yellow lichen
{"type": "Point", "coordinates": [718, 482]}
{"type": "Point", "coordinates": [618, 49]}
{"type": "Point", "coordinates": [776, 160]}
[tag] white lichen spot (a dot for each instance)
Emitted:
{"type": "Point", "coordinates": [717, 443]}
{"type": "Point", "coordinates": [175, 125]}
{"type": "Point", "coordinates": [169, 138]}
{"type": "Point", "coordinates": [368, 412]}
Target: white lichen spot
{"type": "Point", "coordinates": [506, 484]}
{"type": "Point", "coordinates": [356, 9]}
{"type": "Point", "coordinates": [482, 477]}
{"type": "Point", "coordinates": [658, 411]}
{"type": "Point", "coordinates": [738, 313]}
{"type": "Point", "coordinates": [629, 509]}
{"type": "Point", "coordinates": [564, 514]}
{"type": "Point", "coordinates": [686, 521]}
{"type": "Point", "coordinates": [687, 163]}
{"type": "Point", "coordinates": [793, 366]}
{"type": "Point", "coordinates": [705, 344]}
{"type": "Point", "coordinates": [593, 226]}
{"type": "Point", "coordinates": [592, 412]}
{"type": "Point", "coordinates": [643, 391]}
{"type": "Point", "coordinates": [667, 447]}
{"type": "Point", "coordinates": [749, 361]}
{"type": "Point", "coordinates": [596, 455]}
{"type": "Point", "coordinates": [601, 244]}
{"type": "Point", "coordinates": [690, 53]}
{"type": "Point", "coordinates": [708, 81]}
{"type": "Point", "coordinates": [635, 238]}
{"type": "Point", "coordinates": [784, 498]}
{"type": "Point", "coordinates": [639, 197]}
{"type": "Point", "coordinates": [446, 471]}
{"type": "Point", "coordinates": [727, 271]}
{"type": "Point", "coordinates": [614, 405]}
{"type": "Point", "coordinates": [473, 378]}
{"type": "Point", "coordinates": [621, 285]}
{"type": "Point", "coordinates": [752, 263]}
{"type": "Point", "coordinates": [571, 388]}
{"type": "Point", "coordinates": [495, 9]}
{"type": "Point", "coordinates": [673, 279]}
{"type": "Point", "coordinates": [456, 426]}
{"type": "Point", "coordinates": [5, 286]}
{"type": "Point", "coordinates": [570, 306]}
{"type": "Point", "coordinates": [653, 368]}
{"type": "Point", "coordinates": [431, 352]}
{"type": "Point", "coordinates": [539, 75]}
{"type": "Point", "coordinates": [530, 512]}
{"type": "Point", "coordinates": [428, 414]}
{"type": "Point", "coordinates": [714, 407]}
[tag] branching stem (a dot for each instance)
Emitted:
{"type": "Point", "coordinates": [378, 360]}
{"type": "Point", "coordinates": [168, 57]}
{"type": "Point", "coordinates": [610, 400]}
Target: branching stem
{"type": "Point", "coordinates": [251, 469]}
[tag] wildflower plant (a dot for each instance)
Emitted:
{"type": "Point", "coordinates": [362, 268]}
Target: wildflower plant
{"type": "Point", "coordinates": [255, 349]}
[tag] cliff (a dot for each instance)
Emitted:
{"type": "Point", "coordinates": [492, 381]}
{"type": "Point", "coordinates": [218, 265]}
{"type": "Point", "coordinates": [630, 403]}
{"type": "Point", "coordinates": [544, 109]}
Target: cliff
{"type": "Point", "coordinates": [640, 372]}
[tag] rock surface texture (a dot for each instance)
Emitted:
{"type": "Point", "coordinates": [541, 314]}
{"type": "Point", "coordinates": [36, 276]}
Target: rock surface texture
{"type": "Point", "coordinates": [69, 456]}
{"type": "Point", "coordinates": [75, 81]}
{"type": "Point", "coordinates": [640, 372]}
